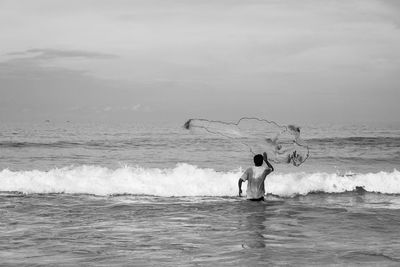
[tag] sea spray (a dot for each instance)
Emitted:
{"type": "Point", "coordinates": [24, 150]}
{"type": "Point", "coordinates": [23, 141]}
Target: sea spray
{"type": "Point", "coordinates": [185, 180]}
{"type": "Point", "coordinates": [292, 184]}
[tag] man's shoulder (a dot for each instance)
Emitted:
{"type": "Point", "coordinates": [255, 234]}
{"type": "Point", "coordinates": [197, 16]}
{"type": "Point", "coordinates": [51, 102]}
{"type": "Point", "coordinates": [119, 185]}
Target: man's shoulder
{"type": "Point", "coordinates": [258, 168]}
{"type": "Point", "coordinates": [249, 170]}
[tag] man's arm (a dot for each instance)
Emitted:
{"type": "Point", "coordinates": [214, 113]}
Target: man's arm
{"type": "Point", "coordinates": [270, 167]}
{"type": "Point", "coordinates": [241, 180]}
{"type": "Point", "coordinates": [240, 186]}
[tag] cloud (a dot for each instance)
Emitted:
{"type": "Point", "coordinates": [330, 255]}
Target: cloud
{"type": "Point", "coordinates": [32, 61]}
{"type": "Point", "coordinates": [30, 91]}
{"type": "Point", "coordinates": [134, 108]}
{"type": "Point", "coordinates": [43, 54]}
{"type": "Point", "coordinates": [210, 58]}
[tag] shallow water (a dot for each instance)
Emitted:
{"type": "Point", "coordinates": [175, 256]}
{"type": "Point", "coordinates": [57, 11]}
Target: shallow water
{"type": "Point", "coordinates": [54, 229]}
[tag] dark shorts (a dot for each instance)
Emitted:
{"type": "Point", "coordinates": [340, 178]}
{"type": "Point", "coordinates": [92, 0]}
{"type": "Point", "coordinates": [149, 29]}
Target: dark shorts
{"type": "Point", "coordinates": [256, 199]}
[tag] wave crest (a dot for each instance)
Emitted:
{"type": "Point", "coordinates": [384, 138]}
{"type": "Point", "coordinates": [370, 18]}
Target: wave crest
{"type": "Point", "coordinates": [185, 180]}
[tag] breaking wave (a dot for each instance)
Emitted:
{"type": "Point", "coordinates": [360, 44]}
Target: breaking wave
{"type": "Point", "coordinates": [185, 180]}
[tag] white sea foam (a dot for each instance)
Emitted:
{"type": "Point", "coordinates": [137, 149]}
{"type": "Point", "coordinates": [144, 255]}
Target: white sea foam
{"type": "Point", "coordinates": [185, 180]}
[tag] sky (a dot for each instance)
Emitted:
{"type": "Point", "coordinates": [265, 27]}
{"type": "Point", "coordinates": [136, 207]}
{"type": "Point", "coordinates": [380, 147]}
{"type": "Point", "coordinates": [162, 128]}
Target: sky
{"type": "Point", "coordinates": [307, 61]}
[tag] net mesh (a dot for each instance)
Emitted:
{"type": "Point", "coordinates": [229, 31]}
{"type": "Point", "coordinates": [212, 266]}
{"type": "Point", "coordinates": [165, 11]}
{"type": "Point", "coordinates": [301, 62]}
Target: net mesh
{"type": "Point", "coordinates": [281, 142]}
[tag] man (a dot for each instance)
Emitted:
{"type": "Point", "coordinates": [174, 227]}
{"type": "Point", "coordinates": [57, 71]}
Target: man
{"type": "Point", "coordinates": [255, 177]}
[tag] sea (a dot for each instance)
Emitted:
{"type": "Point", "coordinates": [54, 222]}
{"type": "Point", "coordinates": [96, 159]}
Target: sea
{"type": "Point", "coordinates": [132, 194]}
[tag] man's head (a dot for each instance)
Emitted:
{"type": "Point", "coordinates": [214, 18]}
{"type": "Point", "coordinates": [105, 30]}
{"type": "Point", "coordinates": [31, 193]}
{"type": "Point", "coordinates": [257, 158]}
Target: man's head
{"type": "Point", "coordinates": [258, 160]}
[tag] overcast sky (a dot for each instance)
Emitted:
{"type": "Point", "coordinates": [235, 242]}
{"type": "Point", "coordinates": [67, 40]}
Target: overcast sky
{"type": "Point", "coordinates": [153, 60]}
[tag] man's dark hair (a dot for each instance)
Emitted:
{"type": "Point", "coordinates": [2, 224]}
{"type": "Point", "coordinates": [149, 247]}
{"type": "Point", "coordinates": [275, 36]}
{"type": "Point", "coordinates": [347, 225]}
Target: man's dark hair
{"type": "Point", "coordinates": [258, 160]}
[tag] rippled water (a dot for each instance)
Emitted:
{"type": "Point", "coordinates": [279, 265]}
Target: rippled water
{"type": "Point", "coordinates": [147, 231]}
{"type": "Point", "coordinates": [101, 195]}
{"type": "Point", "coordinates": [48, 145]}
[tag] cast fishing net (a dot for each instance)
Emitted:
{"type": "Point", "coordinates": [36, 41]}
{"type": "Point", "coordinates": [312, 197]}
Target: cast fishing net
{"type": "Point", "coordinates": [281, 142]}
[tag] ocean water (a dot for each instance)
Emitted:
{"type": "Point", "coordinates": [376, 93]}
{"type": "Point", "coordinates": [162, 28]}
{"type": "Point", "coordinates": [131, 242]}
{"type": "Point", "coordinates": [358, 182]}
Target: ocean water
{"type": "Point", "coordinates": [76, 194]}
